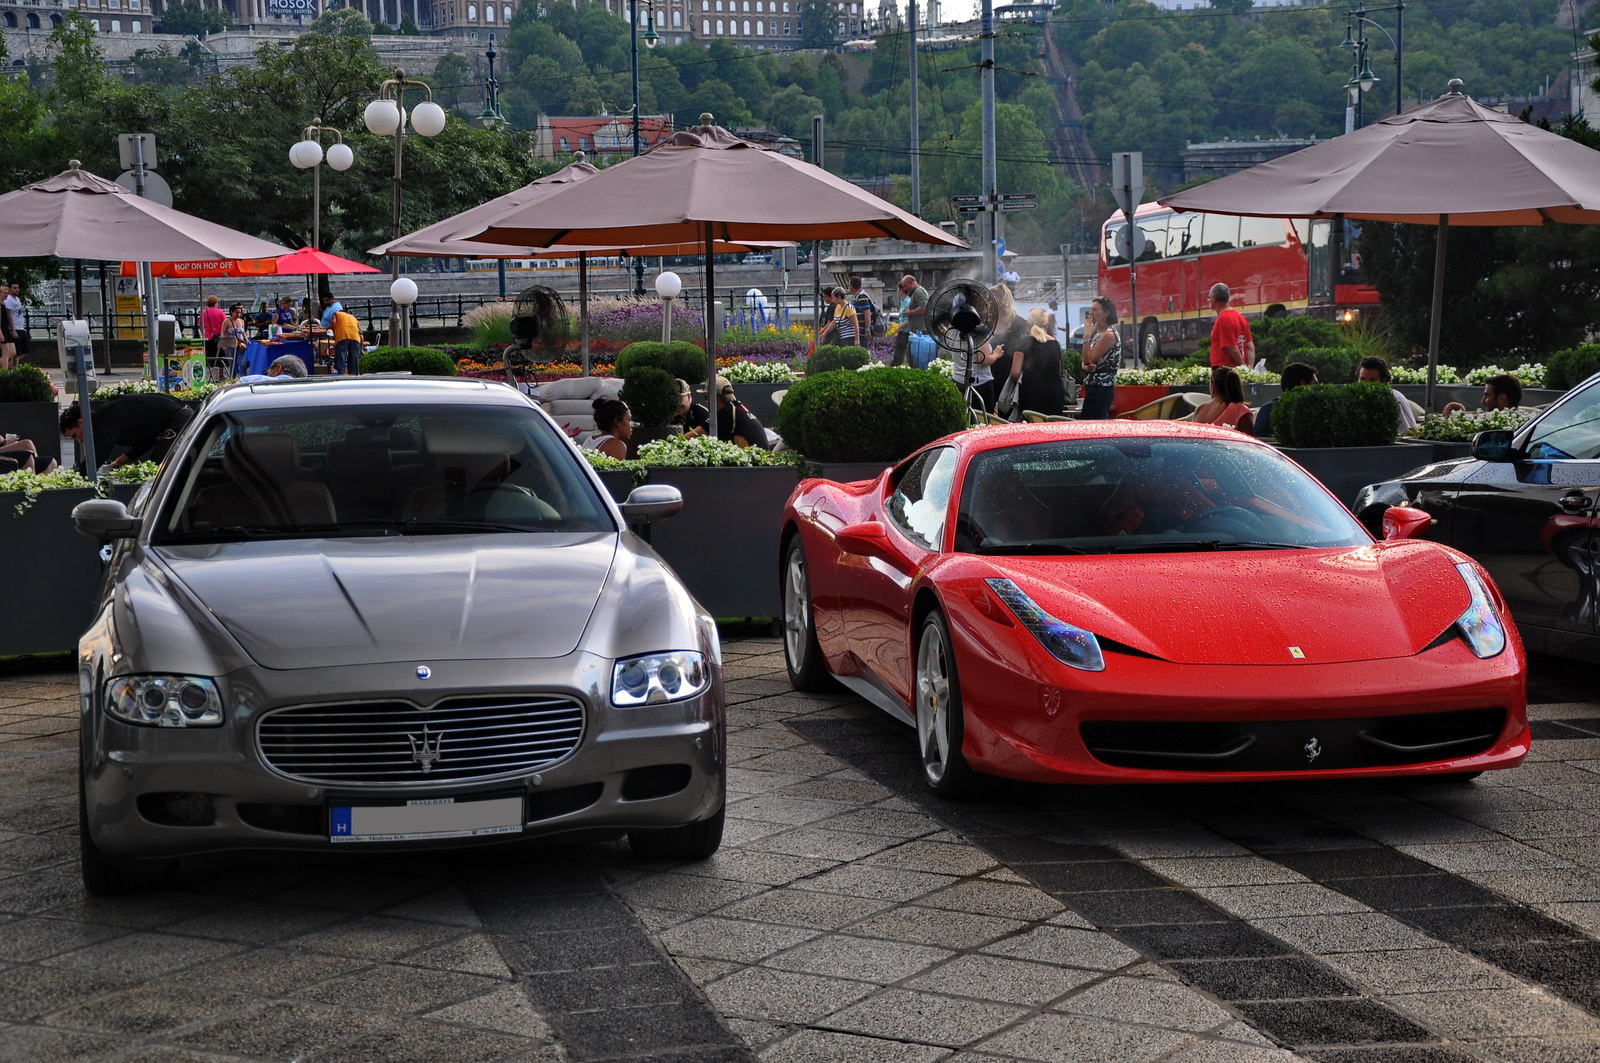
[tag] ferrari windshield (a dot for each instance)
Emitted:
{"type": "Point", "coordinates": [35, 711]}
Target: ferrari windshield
{"type": "Point", "coordinates": [1130, 494]}
{"type": "Point", "coordinates": [379, 470]}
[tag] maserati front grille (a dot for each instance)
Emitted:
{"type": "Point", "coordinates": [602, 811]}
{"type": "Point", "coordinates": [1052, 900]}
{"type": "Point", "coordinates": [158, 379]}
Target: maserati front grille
{"type": "Point", "coordinates": [396, 742]}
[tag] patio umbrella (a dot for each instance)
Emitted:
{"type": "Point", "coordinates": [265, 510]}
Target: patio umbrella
{"type": "Point", "coordinates": [1448, 162]}
{"type": "Point", "coordinates": [707, 185]}
{"type": "Point", "coordinates": [308, 260]}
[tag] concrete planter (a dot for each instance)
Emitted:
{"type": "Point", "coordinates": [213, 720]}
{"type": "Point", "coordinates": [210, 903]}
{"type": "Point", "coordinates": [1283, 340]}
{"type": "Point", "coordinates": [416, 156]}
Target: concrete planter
{"type": "Point", "coordinates": [847, 471]}
{"type": "Point", "coordinates": [618, 481]}
{"type": "Point", "coordinates": [1448, 451]}
{"type": "Point", "coordinates": [38, 421]}
{"type": "Point", "coordinates": [724, 545]}
{"type": "Point", "coordinates": [1346, 470]}
{"type": "Point", "coordinates": [54, 580]}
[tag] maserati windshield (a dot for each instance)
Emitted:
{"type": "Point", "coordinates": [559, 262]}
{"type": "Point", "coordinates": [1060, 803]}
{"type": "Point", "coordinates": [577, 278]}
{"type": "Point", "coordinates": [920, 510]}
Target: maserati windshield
{"type": "Point", "coordinates": [1136, 495]}
{"type": "Point", "coordinates": [379, 470]}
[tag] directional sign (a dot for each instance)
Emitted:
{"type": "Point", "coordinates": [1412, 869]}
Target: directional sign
{"type": "Point", "coordinates": [1127, 179]}
{"type": "Point", "coordinates": [970, 208]}
{"type": "Point", "coordinates": [1018, 197]}
{"type": "Point", "coordinates": [966, 199]}
{"type": "Point", "coordinates": [1018, 206]}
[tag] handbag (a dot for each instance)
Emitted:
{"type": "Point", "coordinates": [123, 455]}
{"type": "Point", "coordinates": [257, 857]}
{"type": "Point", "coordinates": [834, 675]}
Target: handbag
{"type": "Point", "coordinates": [1007, 405]}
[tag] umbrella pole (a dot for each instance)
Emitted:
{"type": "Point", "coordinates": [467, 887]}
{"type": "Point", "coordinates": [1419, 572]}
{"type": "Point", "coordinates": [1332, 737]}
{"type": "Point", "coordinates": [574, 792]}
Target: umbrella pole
{"type": "Point", "coordinates": [1438, 310]}
{"type": "Point", "coordinates": [583, 308]}
{"type": "Point", "coordinates": [711, 336]}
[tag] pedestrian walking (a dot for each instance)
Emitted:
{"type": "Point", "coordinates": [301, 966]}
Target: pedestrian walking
{"type": "Point", "coordinates": [1102, 357]}
{"type": "Point", "coordinates": [1231, 341]}
{"type": "Point", "coordinates": [1036, 368]}
{"type": "Point", "coordinates": [212, 318]}
{"type": "Point", "coordinates": [866, 317]}
{"type": "Point", "coordinates": [19, 323]}
{"type": "Point", "coordinates": [913, 317]}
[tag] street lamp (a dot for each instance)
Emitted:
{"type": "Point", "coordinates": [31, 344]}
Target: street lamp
{"type": "Point", "coordinates": [491, 116]}
{"type": "Point", "coordinates": [306, 154]}
{"type": "Point", "coordinates": [668, 285]}
{"type": "Point", "coordinates": [1362, 79]}
{"type": "Point", "coordinates": [650, 40]}
{"type": "Point", "coordinates": [403, 292]}
{"type": "Point", "coordinates": [386, 116]}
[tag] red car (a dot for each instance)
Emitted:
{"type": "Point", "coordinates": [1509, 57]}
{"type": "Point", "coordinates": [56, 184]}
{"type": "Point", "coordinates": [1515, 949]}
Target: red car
{"type": "Point", "coordinates": [1145, 601]}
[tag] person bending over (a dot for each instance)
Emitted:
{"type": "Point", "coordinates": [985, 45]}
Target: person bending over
{"type": "Point", "coordinates": [141, 426]}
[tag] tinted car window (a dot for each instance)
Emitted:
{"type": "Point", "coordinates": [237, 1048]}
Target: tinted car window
{"type": "Point", "coordinates": [1103, 496]}
{"type": "Point", "coordinates": [1571, 430]}
{"type": "Point", "coordinates": [922, 498]}
{"type": "Point", "coordinates": [378, 469]}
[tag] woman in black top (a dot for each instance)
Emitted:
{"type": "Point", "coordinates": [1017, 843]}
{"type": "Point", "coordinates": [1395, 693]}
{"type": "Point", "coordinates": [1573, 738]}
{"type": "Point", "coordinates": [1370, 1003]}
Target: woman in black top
{"type": "Point", "coordinates": [1037, 358]}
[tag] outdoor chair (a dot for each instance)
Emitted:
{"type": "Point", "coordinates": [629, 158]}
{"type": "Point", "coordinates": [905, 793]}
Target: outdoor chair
{"type": "Point", "coordinates": [1167, 408]}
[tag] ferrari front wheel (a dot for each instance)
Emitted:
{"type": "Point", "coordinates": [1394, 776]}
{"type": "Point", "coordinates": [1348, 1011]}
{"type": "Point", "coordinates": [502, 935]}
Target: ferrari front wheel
{"type": "Point", "coordinates": [801, 652]}
{"type": "Point", "coordinates": [940, 726]}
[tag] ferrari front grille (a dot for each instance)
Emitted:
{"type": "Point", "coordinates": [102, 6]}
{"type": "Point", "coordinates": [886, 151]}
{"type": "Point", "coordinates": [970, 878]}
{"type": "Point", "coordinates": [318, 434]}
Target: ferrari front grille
{"type": "Point", "coordinates": [395, 742]}
{"type": "Point", "coordinates": [1292, 745]}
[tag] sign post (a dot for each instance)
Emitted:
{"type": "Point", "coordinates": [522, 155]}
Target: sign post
{"type": "Point", "coordinates": [1127, 185]}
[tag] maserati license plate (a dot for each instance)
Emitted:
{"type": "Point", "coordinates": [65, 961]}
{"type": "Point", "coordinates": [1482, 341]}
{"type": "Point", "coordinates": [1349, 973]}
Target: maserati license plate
{"type": "Point", "coordinates": [424, 818]}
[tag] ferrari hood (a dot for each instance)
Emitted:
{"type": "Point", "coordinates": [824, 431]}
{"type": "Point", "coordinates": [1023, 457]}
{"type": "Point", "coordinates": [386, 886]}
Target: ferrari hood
{"type": "Point", "coordinates": [321, 602]}
{"type": "Point", "coordinates": [1255, 607]}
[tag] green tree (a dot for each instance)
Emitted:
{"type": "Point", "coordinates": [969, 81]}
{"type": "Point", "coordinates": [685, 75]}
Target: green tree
{"type": "Point", "coordinates": [409, 27]}
{"type": "Point", "coordinates": [189, 19]}
{"type": "Point", "coordinates": [452, 80]}
{"type": "Point", "coordinates": [159, 66]}
{"type": "Point", "coordinates": [342, 22]}
{"type": "Point", "coordinates": [819, 23]}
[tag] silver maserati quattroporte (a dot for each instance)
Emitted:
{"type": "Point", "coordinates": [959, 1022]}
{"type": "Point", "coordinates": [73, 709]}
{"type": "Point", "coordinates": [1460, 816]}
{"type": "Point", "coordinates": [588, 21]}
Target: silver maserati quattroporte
{"type": "Point", "coordinates": [384, 614]}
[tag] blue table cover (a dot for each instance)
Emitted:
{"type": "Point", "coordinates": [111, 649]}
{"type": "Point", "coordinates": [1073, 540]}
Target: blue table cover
{"type": "Point", "coordinates": [259, 355]}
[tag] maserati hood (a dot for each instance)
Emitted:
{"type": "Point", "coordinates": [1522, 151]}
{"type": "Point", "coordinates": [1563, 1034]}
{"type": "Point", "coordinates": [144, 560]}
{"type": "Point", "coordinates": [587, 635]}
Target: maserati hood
{"type": "Point", "coordinates": [311, 603]}
{"type": "Point", "coordinates": [1282, 607]}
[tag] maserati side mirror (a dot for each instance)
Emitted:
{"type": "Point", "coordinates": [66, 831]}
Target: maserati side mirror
{"type": "Point", "coordinates": [652, 502]}
{"type": "Point", "coordinates": [1492, 446]}
{"type": "Point", "coordinates": [1403, 522]}
{"type": "Point", "coordinates": [104, 518]}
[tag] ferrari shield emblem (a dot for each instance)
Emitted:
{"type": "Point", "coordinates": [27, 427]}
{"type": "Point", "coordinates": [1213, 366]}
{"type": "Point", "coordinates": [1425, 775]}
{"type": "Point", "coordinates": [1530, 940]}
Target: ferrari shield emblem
{"type": "Point", "coordinates": [1297, 653]}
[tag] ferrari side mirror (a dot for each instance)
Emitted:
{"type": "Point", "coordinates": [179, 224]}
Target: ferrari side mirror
{"type": "Point", "coordinates": [867, 539]}
{"type": "Point", "coordinates": [652, 502]}
{"type": "Point", "coordinates": [1403, 522]}
{"type": "Point", "coordinates": [1492, 446]}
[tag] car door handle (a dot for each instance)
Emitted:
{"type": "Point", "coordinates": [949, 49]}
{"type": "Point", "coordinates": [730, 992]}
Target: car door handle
{"type": "Point", "coordinates": [1575, 502]}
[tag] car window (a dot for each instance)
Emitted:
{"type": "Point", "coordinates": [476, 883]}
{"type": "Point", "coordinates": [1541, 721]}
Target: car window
{"type": "Point", "coordinates": [1571, 430]}
{"type": "Point", "coordinates": [1099, 496]}
{"type": "Point", "coordinates": [362, 470]}
{"type": "Point", "coordinates": [922, 498]}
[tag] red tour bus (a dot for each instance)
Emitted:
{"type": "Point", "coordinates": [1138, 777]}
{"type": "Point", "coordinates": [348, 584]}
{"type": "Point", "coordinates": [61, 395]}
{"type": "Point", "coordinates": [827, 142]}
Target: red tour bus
{"type": "Point", "coordinates": [1272, 266]}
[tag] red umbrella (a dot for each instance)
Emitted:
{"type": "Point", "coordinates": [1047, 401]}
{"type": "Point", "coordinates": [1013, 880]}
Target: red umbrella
{"type": "Point", "coordinates": [310, 260]}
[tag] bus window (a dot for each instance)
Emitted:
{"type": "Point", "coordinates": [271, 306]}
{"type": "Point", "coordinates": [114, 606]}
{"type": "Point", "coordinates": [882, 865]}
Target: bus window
{"type": "Point", "coordinates": [1183, 235]}
{"type": "Point", "coordinates": [1221, 233]}
{"type": "Point", "coordinates": [1260, 232]}
{"type": "Point", "coordinates": [1113, 256]}
{"type": "Point", "coordinates": [1155, 237]}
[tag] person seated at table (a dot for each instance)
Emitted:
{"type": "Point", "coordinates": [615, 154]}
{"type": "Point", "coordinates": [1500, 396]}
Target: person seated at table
{"type": "Point", "coordinates": [613, 424]}
{"type": "Point", "coordinates": [346, 343]}
{"type": "Point", "coordinates": [262, 319]}
{"type": "Point", "coordinates": [694, 418]}
{"type": "Point", "coordinates": [1375, 370]}
{"type": "Point", "coordinates": [21, 454]}
{"type": "Point", "coordinates": [1295, 375]}
{"type": "Point", "coordinates": [1226, 408]}
{"type": "Point", "coordinates": [1502, 392]}
{"type": "Point", "coordinates": [284, 316]}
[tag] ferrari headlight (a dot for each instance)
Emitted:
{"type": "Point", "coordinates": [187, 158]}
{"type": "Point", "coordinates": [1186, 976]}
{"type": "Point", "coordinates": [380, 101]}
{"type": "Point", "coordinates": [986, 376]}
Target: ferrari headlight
{"type": "Point", "coordinates": [164, 701]}
{"type": "Point", "coordinates": [1480, 625]}
{"type": "Point", "coordinates": [1069, 644]}
{"type": "Point", "coordinates": [658, 678]}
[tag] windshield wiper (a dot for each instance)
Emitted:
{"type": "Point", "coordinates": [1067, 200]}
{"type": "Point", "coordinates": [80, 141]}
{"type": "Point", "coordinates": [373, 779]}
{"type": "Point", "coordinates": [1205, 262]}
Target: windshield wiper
{"type": "Point", "coordinates": [1039, 548]}
{"type": "Point", "coordinates": [1178, 545]}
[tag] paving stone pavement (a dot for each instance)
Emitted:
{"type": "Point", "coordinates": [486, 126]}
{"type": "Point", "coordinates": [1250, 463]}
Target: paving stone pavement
{"type": "Point", "coordinates": [848, 916]}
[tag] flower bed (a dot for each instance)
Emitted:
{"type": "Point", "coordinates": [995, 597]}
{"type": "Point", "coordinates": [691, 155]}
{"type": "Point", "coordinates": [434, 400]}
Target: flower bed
{"type": "Point", "coordinates": [748, 371]}
{"type": "Point", "coordinates": [147, 386]}
{"type": "Point", "coordinates": [1188, 376]}
{"type": "Point", "coordinates": [1461, 427]}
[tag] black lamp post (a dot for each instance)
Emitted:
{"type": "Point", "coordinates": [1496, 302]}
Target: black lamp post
{"type": "Point", "coordinates": [1362, 78]}
{"type": "Point", "coordinates": [650, 39]}
{"type": "Point", "coordinates": [491, 117]}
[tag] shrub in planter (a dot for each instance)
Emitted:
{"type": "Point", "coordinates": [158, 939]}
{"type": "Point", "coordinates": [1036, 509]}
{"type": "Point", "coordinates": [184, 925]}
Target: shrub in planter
{"type": "Point", "coordinates": [828, 357]}
{"type": "Point", "coordinates": [1334, 365]}
{"type": "Point", "coordinates": [1281, 340]}
{"type": "Point", "coordinates": [1567, 369]}
{"type": "Point", "coordinates": [418, 361]}
{"type": "Point", "coordinates": [26, 383]}
{"type": "Point", "coordinates": [879, 416]}
{"type": "Point", "coordinates": [1336, 415]}
{"type": "Point", "coordinates": [682, 359]}
{"type": "Point", "coordinates": [651, 395]}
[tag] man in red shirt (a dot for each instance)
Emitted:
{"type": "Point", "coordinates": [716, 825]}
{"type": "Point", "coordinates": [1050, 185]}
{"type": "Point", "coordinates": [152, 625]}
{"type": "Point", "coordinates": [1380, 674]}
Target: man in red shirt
{"type": "Point", "coordinates": [1231, 342]}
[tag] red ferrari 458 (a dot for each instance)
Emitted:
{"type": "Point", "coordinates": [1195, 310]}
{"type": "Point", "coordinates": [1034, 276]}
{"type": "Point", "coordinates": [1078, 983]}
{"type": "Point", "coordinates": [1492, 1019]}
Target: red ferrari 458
{"type": "Point", "coordinates": [1145, 601]}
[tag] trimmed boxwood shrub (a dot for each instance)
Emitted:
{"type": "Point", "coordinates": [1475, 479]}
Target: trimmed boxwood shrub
{"type": "Point", "coordinates": [1334, 365]}
{"type": "Point", "coordinates": [26, 383]}
{"type": "Point", "coordinates": [651, 395]}
{"type": "Point", "coordinates": [1281, 340]}
{"type": "Point", "coordinates": [682, 359]}
{"type": "Point", "coordinates": [1336, 415]}
{"type": "Point", "coordinates": [1565, 370]}
{"type": "Point", "coordinates": [827, 358]}
{"type": "Point", "coordinates": [418, 361]}
{"type": "Point", "coordinates": [878, 416]}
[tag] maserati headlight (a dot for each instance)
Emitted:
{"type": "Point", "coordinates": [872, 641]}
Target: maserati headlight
{"type": "Point", "coordinates": [658, 678]}
{"type": "Point", "coordinates": [164, 700]}
{"type": "Point", "coordinates": [1069, 644]}
{"type": "Point", "coordinates": [1480, 625]}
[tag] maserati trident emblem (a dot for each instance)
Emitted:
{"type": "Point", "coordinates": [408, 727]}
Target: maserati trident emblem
{"type": "Point", "coordinates": [423, 671]}
{"type": "Point", "coordinates": [425, 755]}
{"type": "Point", "coordinates": [1313, 750]}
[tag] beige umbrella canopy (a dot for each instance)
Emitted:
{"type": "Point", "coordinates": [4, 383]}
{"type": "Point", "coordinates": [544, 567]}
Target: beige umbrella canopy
{"type": "Point", "coordinates": [78, 215]}
{"type": "Point", "coordinates": [1448, 162]}
{"type": "Point", "coordinates": [708, 185]}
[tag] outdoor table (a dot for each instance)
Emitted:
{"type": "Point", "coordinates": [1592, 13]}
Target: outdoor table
{"type": "Point", "coordinates": [258, 356]}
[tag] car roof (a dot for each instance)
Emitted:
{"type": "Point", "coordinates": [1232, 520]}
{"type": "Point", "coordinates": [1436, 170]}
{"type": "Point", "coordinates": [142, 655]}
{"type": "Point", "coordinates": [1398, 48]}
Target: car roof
{"type": "Point", "coordinates": [336, 392]}
{"type": "Point", "coordinates": [996, 437]}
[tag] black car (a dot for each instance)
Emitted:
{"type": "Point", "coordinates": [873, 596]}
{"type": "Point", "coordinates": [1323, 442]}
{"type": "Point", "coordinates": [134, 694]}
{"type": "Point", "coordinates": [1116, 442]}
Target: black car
{"type": "Point", "coordinates": [1524, 506]}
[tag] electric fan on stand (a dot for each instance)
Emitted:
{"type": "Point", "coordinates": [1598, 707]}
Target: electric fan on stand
{"type": "Point", "coordinates": [539, 326]}
{"type": "Point", "coordinates": [961, 317]}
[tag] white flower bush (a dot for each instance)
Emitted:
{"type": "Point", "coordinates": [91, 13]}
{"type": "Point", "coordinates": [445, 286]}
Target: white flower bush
{"type": "Point", "coordinates": [1529, 376]}
{"type": "Point", "coordinates": [704, 451]}
{"type": "Point", "coordinates": [1405, 374]}
{"type": "Point", "coordinates": [1461, 427]}
{"type": "Point", "coordinates": [744, 371]}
